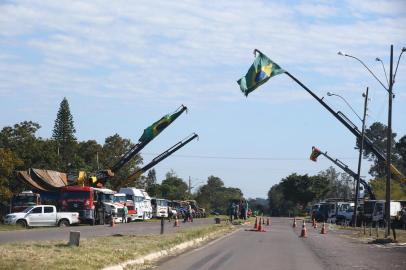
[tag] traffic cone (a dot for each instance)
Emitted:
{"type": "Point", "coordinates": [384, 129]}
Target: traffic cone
{"type": "Point", "coordinates": [176, 223]}
{"type": "Point", "coordinates": [259, 225]}
{"type": "Point", "coordinates": [323, 229]}
{"type": "Point", "coordinates": [267, 222]}
{"type": "Point", "coordinates": [256, 223]}
{"type": "Point", "coordinates": [304, 231]}
{"type": "Point", "coordinates": [294, 222]}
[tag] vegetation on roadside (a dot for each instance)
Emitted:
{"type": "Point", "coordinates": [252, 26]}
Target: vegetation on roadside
{"type": "Point", "coordinates": [95, 253]}
{"type": "Point", "coordinates": [372, 235]}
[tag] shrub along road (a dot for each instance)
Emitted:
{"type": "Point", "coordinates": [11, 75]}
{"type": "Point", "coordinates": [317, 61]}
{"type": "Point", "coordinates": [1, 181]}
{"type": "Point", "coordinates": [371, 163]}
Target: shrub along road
{"type": "Point", "coordinates": [282, 248]}
{"type": "Point", "coordinates": [96, 231]}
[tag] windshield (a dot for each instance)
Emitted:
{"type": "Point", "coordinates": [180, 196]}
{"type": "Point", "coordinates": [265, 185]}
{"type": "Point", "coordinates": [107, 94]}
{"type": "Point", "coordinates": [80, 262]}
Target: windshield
{"type": "Point", "coordinates": [79, 195]}
{"type": "Point", "coordinates": [106, 197]}
{"type": "Point", "coordinates": [28, 209]}
{"type": "Point", "coordinates": [161, 203]}
{"type": "Point", "coordinates": [120, 199]}
{"type": "Point", "coordinates": [20, 200]}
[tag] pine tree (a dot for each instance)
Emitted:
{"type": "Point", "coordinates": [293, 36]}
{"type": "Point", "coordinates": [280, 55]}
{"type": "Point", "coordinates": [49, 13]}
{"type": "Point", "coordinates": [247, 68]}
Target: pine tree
{"type": "Point", "coordinates": [63, 132]}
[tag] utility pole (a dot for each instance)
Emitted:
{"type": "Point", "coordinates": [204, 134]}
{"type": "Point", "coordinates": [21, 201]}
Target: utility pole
{"type": "Point", "coordinates": [190, 186]}
{"type": "Point", "coordinates": [389, 146]}
{"type": "Point", "coordinates": [360, 158]}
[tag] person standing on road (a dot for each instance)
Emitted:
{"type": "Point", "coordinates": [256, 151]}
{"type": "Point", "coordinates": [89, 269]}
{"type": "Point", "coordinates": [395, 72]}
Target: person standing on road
{"type": "Point", "coordinates": [125, 213]}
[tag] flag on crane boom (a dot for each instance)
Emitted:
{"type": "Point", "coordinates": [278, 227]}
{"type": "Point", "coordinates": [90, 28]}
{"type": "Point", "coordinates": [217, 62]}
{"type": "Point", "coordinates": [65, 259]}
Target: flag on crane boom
{"type": "Point", "coordinates": [259, 73]}
{"type": "Point", "coordinates": [315, 154]}
{"type": "Point", "coordinates": [153, 130]}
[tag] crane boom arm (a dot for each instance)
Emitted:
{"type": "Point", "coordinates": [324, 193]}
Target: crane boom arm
{"type": "Point", "coordinates": [351, 127]}
{"type": "Point", "coordinates": [345, 168]}
{"type": "Point", "coordinates": [163, 156]}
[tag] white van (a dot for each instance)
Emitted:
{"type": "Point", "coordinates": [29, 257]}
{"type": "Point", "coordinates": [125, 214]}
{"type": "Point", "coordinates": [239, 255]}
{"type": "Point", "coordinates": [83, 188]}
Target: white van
{"type": "Point", "coordinates": [137, 197]}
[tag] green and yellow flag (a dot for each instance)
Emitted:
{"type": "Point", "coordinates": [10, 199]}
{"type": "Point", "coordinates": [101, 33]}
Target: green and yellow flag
{"type": "Point", "coordinates": [259, 73]}
{"type": "Point", "coordinates": [153, 130]}
{"type": "Point", "coordinates": [315, 154]}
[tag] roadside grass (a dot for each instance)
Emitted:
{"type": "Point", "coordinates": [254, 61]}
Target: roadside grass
{"type": "Point", "coordinates": [372, 234]}
{"type": "Point", "coordinates": [95, 253]}
{"type": "Point", "coordinates": [6, 227]}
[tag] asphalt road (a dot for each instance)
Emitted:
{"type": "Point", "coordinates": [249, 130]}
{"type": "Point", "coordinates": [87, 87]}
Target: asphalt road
{"type": "Point", "coordinates": [282, 248]}
{"type": "Point", "coordinates": [55, 233]}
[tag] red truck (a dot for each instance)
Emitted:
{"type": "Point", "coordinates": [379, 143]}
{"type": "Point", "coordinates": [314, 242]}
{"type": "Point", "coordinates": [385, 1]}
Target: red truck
{"type": "Point", "coordinates": [23, 200]}
{"type": "Point", "coordinates": [84, 200]}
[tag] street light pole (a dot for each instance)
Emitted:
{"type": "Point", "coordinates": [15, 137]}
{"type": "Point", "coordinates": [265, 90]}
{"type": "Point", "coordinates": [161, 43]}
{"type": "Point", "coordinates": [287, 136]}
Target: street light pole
{"type": "Point", "coordinates": [360, 159]}
{"type": "Point", "coordinates": [389, 146]}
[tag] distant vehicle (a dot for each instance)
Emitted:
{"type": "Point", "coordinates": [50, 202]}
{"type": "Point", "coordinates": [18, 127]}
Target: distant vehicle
{"type": "Point", "coordinates": [379, 211]}
{"type": "Point", "coordinates": [147, 207]}
{"type": "Point", "coordinates": [95, 205]}
{"type": "Point", "coordinates": [121, 199]}
{"type": "Point", "coordinates": [42, 215]}
{"type": "Point", "coordinates": [159, 208]}
{"type": "Point", "coordinates": [329, 211]}
{"type": "Point", "coordinates": [23, 200]}
{"type": "Point", "coordinates": [136, 196]}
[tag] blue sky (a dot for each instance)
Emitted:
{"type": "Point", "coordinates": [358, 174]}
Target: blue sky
{"type": "Point", "coordinates": [123, 64]}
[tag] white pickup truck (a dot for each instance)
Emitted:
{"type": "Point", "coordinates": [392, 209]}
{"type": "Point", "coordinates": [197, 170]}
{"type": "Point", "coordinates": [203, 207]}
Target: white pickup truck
{"type": "Point", "coordinates": [42, 215]}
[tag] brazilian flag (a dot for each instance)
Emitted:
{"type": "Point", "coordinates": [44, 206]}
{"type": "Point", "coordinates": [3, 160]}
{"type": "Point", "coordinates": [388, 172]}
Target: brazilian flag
{"type": "Point", "coordinates": [259, 73]}
{"type": "Point", "coordinates": [153, 130]}
{"type": "Point", "coordinates": [315, 154]}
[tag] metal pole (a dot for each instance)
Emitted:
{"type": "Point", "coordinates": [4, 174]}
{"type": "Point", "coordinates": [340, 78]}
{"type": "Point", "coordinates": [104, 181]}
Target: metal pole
{"type": "Point", "coordinates": [360, 160]}
{"type": "Point", "coordinates": [389, 146]}
{"type": "Point", "coordinates": [190, 186]}
{"type": "Point", "coordinates": [162, 225]}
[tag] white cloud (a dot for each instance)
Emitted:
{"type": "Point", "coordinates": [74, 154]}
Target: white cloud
{"type": "Point", "coordinates": [179, 50]}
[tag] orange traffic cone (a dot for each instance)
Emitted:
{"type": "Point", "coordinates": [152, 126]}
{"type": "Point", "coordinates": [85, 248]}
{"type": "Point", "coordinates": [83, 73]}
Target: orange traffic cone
{"type": "Point", "coordinates": [176, 223]}
{"type": "Point", "coordinates": [304, 231]}
{"type": "Point", "coordinates": [294, 223]}
{"type": "Point", "coordinates": [323, 229]}
{"type": "Point", "coordinates": [256, 223]}
{"type": "Point", "coordinates": [268, 222]}
{"type": "Point", "coordinates": [259, 225]}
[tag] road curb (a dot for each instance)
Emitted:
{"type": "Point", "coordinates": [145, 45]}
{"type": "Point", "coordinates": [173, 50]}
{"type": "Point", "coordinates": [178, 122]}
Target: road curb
{"type": "Point", "coordinates": [163, 253]}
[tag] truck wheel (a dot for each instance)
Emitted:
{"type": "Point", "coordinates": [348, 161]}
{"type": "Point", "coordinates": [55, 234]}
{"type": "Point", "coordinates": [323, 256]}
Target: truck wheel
{"type": "Point", "coordinates": [63, 223]}
{"type": "Point", "coordinates": [21, 223]}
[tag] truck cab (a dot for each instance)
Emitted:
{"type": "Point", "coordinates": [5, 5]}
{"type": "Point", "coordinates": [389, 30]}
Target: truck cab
{"type": "Point", "coordinates": [159, 207]}
{"type": "Point", "coordinates": [121, 199]}
{"type": "Point", "coordinates": [136, 196]}
{"type": "Point", "coordinates": [23, 200]}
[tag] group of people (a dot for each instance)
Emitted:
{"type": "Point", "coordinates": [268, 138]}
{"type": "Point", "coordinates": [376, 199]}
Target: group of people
{"type": "Point", "coordinates": [238, 210]}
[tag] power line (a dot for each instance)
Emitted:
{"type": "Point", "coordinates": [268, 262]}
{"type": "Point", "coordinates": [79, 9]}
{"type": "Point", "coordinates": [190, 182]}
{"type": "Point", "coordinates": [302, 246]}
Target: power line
{"type": "Point", "coordinates": [242, 158]}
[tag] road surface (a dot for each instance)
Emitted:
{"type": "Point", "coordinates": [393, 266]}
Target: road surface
{"type": "Point", "coordinates": [282, 248]}
{"type": "Point", "coordinates": [95, 231]}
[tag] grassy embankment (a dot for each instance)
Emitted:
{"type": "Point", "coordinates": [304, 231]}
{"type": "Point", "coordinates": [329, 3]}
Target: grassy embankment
{"type": "Point", "coordinates": [95, 253]}
{"type": "Point", "coordinates": [373, 235]}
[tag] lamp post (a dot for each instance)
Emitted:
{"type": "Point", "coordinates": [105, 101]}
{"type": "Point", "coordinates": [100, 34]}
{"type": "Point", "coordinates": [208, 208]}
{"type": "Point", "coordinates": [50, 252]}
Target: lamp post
{"type": "Point", "coordinates": [365, 95]}
{"type": "Point", "coordinates": [348, 104]}
{"type": "Point", "coordinates": [389, 89]}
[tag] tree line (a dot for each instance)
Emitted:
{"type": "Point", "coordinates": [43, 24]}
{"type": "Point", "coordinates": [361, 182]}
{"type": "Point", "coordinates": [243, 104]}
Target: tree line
{"type": "Point", "coordinates": [21, 148]}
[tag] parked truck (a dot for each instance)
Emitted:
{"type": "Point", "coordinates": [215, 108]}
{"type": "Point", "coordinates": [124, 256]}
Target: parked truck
{"type": "Point", "coordinates": [95, 205]}
{"type": "Point", "coordinates": [23, 200]}
{"type": "Point", "coordinates": [159, 208]}
{"type": "Point", "coordinates": [42, 215]}
{"type": "Point", "coordinates": [374, 211]}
